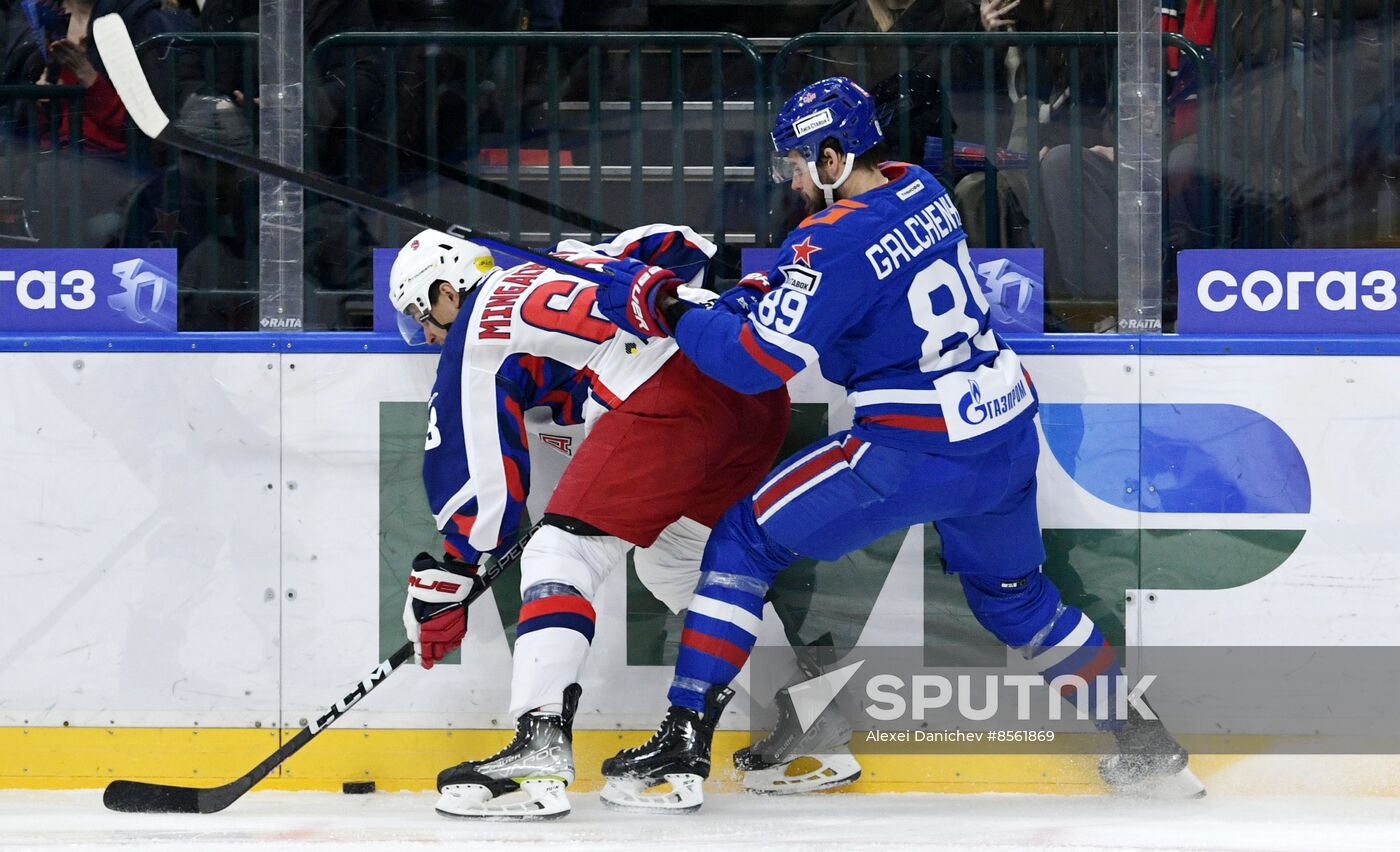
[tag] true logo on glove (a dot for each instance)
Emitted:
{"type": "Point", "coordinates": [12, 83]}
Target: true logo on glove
{"type": "Point", "coordinates": [443, 586]}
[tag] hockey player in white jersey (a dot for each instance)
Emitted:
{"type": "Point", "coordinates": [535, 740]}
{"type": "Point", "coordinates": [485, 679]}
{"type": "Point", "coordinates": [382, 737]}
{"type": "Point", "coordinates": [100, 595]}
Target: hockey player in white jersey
{"type": "Point", "coordinates": [667, 451]}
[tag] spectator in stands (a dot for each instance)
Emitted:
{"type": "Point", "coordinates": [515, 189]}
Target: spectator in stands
{"type": "Point", "coordinates": [883, 66]}
{"type": "Point", "coordinates": [73, 60]}
{"type": "Point", "coordinates": [15, 43]}
{"type": "Point", "coordinates": [544, 15]}
{"type": "Point", "coordinates": [338, 241]}
{"type": "Point", "coordinates": [98, 185]}
{"type": "Point", "coordinates": [327, 97]}
{"type": "Point", "coordinates": [217, 227]}
{"type": "Point", "coordinates": [911, 102]}
{"type": "Point", "coordinates": [1257, 98]}
{"type": "Point", "coordinates": [1050, 104]}
{"type": "Point", "coordinates": [1349, 191]}
{"type": "Point", "coordinates": [72, 63]}
{"type": "Point", "coordinates": [1081, 250]}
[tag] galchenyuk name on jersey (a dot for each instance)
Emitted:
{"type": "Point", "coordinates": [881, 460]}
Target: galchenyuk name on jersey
{"type": "Point", "coordinates": [919, 233]}
{"type": "Point", "coordinates": [500, 302]}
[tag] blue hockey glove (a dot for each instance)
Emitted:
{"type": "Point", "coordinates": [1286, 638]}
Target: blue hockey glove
{"type": "Point", "coordinates": [630, 298]}
{"type": "Point", "coordinates": [744, 296]}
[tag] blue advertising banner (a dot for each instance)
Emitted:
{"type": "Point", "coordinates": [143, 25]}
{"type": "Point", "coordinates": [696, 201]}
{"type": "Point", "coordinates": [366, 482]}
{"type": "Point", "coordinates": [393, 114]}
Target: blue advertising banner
{"type": "Point", "coordinates": [1013, 280]}
{"type": "Point", "coordinates": [384, 319]}
{"type": "Point", "coordinates": [81, 290]}
{"type": "Point", "coordinates": [1297, 291]}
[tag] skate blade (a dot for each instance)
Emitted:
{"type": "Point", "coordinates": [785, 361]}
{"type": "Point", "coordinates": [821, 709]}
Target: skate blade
{"type": "Point", "coordinates": [790, 779]}
{"type": "Point", "coordinates": [1180, 785]}
{"type": "Point", "coordinates": [685, 795]}
{"type": "Point", "coordinates": [537, 799]}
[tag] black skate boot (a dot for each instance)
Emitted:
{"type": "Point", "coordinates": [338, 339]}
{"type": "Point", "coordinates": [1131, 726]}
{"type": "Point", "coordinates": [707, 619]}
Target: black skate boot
{"type": "Point", "coordinates": [790, 760]}
{"type": "Point", "coordinates": [539, 763]}
{"type": "Point", "coordinates": [677, 754]}
{"type": "Point", "coordinates": [1150, 762]}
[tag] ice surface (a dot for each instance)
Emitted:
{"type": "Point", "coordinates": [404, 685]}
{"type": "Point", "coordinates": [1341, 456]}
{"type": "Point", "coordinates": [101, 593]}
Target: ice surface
{"type": "Point", "coordinates": [327, 822]}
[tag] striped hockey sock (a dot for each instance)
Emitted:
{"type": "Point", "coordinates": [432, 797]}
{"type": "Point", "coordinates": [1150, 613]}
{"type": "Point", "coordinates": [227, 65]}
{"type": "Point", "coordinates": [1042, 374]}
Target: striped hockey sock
{"type": "Point", "coordinates": [721, 627]}
{"type": "Point", "coordinates": [555, 605]}
{"type": "Point", "coordinates": [1074, 657]}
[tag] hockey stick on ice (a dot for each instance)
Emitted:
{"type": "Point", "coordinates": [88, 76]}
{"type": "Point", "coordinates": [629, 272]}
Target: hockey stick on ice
{"type": "Point", "coordinates": [141, 797]}
{"type": "Point", "coordinates": [129, 79]}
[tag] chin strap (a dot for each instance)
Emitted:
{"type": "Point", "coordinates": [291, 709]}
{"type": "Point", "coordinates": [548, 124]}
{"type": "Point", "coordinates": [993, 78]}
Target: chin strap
{"type": "Point", "coordinates": [828, 189]}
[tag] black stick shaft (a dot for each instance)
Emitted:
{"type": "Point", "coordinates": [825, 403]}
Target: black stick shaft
{"type": "Point", "coordinates": [567, 215]}
{"type": "Point", "coordinates": [360, 198]}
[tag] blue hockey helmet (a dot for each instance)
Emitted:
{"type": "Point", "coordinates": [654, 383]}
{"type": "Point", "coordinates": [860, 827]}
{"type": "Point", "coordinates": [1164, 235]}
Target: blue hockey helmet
{"type": "Point", "coordinates": [834, 108]}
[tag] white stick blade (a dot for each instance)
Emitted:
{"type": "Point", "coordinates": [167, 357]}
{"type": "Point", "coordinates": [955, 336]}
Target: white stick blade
{"type": "Point", "coordinates": [119, 55]}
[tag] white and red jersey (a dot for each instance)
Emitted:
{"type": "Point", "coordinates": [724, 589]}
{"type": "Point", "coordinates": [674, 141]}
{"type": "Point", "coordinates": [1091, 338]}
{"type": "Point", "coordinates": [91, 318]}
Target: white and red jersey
{"type": "Point", "coordinates": [529, 336]}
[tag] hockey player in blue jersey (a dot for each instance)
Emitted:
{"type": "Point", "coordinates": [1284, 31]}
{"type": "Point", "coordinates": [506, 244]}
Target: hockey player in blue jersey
{"type": "Point", "coordinates": [875, 287]}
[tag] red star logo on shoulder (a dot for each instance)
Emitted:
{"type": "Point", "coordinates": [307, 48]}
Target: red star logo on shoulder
{"type": "Point", "coordinates": [802, 252]}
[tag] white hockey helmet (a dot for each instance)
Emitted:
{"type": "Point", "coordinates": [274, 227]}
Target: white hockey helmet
{"type": "Point", "coordinates": [430, 257]}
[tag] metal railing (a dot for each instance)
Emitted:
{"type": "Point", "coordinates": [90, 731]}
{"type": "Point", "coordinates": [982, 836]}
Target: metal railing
{"type": "Point", "coordinates": [30, 124]}
{"type": "Point", "coordinates": [207, 210]}
{"type": "Point", "coordinates": [1307, 126]}
{"type": "Point", "coordinates": [554, 134]}
{"type": "Point", "coordinates": [964, 71]}
{"type": "Point", "coordinates": [550, 135]}
{"type": "Point", "coordinates": [816, 49]}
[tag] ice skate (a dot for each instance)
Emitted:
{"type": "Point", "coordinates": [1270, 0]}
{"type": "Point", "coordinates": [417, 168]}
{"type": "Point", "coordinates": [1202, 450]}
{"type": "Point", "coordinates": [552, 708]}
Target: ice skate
{"type": "Point", "coordinates": [1150, 763]}
{"type": "Point", "coordinates": [790, 760]}
{"type": "Point", "coordinates": [523, 781]}
{"type": "Point", "coordinates": [677, 756]}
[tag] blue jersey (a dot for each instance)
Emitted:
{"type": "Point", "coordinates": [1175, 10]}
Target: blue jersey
{"type": "Point", "coordinates": [879, 291]}
{"type": "Point", "coordinates": [530, 337]}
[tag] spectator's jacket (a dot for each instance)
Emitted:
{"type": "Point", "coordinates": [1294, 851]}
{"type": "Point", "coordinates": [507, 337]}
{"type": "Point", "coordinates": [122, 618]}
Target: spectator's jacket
{"type": "Point", "coordinates": [104, 116]}
{"type": "Point", "coordinates": [1194, 19]}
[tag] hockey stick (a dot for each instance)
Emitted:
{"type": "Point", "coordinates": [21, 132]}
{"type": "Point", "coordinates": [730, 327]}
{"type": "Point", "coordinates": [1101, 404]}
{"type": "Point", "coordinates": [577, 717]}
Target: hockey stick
{"type": "Point", "coordinates": [567, 215]}
{"type": "Point", "coordinates": [129, 79]}
{"type": "Point", "coordinates": [141, 797]}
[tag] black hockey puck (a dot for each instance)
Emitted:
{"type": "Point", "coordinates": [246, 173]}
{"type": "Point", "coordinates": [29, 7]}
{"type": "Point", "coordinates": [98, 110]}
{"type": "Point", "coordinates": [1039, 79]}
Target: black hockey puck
{"type": "Point", "coordinates": [357, 787]}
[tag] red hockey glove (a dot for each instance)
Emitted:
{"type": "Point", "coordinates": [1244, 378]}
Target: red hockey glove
{"type": "Point", "coordinates": [435, 613]}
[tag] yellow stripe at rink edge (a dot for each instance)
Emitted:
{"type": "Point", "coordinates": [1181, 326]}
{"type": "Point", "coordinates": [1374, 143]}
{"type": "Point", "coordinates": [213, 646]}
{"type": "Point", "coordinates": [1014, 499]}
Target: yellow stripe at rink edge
{"type": "Point", "coordinates": [75, 758]}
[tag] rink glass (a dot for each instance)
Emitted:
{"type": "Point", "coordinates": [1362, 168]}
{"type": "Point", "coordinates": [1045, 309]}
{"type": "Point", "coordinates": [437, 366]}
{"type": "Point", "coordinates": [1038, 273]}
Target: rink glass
{"type": "Point", "coordinates": [1272, 126]}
